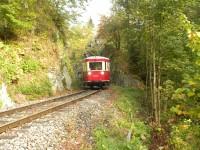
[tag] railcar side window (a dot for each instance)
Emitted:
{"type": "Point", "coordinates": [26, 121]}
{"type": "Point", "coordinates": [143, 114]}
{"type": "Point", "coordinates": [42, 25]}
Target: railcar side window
{"type": "Point", "coordinates": [107, 66]}
{"type": "Point", "coordinates": [95, 65]}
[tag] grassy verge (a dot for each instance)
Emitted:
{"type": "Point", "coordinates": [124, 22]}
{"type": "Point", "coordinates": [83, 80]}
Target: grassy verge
{"type": "Point", "coordinates": [125, 128]}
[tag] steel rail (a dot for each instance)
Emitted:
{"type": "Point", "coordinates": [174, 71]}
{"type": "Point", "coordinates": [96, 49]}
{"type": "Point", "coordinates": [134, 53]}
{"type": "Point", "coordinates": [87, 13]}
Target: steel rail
{"type": "Point", "coordinates": [39, 114]}
{"type": "Point", "coordinates": [49, 100]}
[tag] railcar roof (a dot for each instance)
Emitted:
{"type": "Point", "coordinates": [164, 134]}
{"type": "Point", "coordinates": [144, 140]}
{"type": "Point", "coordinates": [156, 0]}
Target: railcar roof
{"type": "Point", "coordinates": [97, 57]}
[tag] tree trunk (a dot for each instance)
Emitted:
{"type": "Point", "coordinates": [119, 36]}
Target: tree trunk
{"type": "Point", "coordinates": [158, 89]}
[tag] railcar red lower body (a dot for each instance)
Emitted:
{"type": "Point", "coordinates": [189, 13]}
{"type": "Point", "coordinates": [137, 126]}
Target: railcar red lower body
{"type": "Point", "coordinates": [97, 78]}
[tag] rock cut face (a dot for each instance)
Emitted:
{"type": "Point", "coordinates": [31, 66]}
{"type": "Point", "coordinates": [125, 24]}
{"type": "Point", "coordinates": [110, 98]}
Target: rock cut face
{"type": "Point", "coordinates": [5, 100]}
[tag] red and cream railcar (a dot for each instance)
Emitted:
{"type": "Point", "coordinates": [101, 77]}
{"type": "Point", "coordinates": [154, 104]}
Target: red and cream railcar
{"type": "Point", "coordinates": [96, 71]}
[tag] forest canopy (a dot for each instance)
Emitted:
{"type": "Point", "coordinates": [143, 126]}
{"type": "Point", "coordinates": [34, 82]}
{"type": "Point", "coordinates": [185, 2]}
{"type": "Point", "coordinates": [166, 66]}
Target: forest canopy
{"type": "Point", "coordinates": [37, 16]}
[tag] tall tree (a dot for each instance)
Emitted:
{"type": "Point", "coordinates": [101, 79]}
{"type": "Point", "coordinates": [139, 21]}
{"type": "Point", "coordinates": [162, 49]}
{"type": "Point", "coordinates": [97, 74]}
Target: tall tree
{"type": "Point", "coordinates": [153, 34]}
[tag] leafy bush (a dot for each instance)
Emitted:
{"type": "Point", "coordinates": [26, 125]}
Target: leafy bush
{"type": "Point", "coordinates": [30, 65]}
{"type": "Point", "coordinates": [185, 134]}
{"type": "Point", "coordinates": [9, 63]}
{"type": "Point", "coordinates": [12, 66]}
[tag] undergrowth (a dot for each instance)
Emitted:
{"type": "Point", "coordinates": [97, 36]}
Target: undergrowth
{"type": "Point", "coordinates": [30, 65]}
{"type": "Point", "coordinates": [36, 89]}
{"type": "Point", "coordinates": [24, 66]}
{"type": "Point", "coordinates": [185, 135]}
{"type": "Point", "coordinates": [126, 130]}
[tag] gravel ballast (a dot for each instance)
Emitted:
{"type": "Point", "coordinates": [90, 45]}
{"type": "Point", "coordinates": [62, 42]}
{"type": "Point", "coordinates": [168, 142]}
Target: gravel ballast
{"type": "Point", "coordinates": [69, 128]}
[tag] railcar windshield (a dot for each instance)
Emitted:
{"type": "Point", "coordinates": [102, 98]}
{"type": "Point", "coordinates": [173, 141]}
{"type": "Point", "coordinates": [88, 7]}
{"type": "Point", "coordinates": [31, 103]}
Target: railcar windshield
{"type": "Point", "coordinates": [95, 65]}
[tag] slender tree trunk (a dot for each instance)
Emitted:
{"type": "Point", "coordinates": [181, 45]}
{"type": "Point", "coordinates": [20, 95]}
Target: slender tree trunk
{"type": "Point", "coordinates": [147, 74]}
{"type": "Point", "coordinates": [158, 87]}
{"type": "Point", "coordinates": [155, 87]}
{"type": "Point", "coordinates": [159, 72]}
{"type": "Point", "coordinates": [150, 76]}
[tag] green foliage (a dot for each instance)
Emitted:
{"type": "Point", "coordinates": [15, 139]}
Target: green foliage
{"type": "Point", "coordinates": [106, 141]}
{"type": "Point", "coordinates": [1, 103]}
{"type": "Point", "coordinates": [9, 63]}
{"type": "Point", "coordinates": [114, 135]}
{"type": "Point", "coordinates": [35, 19]}
{"type": "Point", "coordinates": [36, 88]}
{"type": "Point", "coordinates": [185, 134]}
{"type": "Point", "coordinates": [14, 17]}
{"type": "Point", "coordinates": [12, 66]}
{"type": "Point", "coordinates": [80, 38]}
{"type": "Point", "coordinates": [30, 65]}
{"type": "Point", "coordinates": [46, 17]}
{"type": "Point", "coordinates": [161, 41]}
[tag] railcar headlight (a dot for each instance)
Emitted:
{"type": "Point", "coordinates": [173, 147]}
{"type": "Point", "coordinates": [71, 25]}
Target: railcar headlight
{"type": "Point", "coordinates": [102, 73]}
{"type": "Point", "coordinates": [89, 73]}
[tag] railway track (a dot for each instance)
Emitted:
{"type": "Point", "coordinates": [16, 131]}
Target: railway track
{"type": "Point", "coordinates": [18, 116]}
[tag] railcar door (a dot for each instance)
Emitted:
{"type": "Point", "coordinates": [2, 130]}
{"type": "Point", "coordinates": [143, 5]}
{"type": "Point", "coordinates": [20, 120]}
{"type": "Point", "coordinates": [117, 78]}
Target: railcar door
{"type": "Point", "coordinates": [106, 71]}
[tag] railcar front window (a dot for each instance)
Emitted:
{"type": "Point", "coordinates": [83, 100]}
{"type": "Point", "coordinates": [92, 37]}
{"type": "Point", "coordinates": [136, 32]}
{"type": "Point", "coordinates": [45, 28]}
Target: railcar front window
{"type": "Point", "coordinates": [95, 65]}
